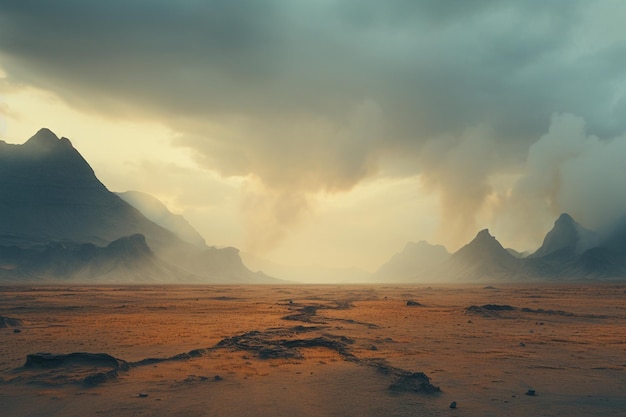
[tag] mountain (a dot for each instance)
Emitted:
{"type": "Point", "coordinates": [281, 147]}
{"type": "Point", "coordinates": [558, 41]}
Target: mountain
{"type": "Point", "coordinates": [50, 195]}
{"type": "Point", "coordinates": [126, 260]}
{"type": "Point", "coordinates": [482, 259]}
{"type": "Point", "coordinates": [567, 237]}
{"type": "Point", "coordinates": [416, 262]}
{"type": "Point", "coordinates": [155, 210]}
{"type": "Point", "coordinates": [605, 261]}
{"type": "Point", "coordinates": [569, 252]}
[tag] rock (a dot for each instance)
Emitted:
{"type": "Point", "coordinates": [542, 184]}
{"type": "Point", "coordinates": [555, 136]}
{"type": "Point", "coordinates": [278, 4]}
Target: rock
{"type": "Point", "coordinates": [413, 303]}
{"type": "Point", "coordinates": [531, 392]}
{"type": "Point", "coordinates": [90, 369]}
{"type": "Point", "coordinates": [217, 378]}
{"type": "Point", "coordinates": [453, 404]}
{"type": "Point", "coordinates": [142, 395]}
{"type": "Point", "coordinates": [489, 310]}
{"type": "Point", "coordinates": [48, 360]}
{"type": "Point", "coordinates": [413, 382]}
{"type": "Point", "coordinates": [17, 331]}
{"type": "Point", "coordinates": [9, 322]}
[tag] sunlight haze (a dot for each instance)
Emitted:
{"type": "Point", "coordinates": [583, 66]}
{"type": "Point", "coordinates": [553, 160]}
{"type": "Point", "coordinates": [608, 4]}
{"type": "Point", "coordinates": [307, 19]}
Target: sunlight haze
{"type": "Point", "coordinates": [333, 133]}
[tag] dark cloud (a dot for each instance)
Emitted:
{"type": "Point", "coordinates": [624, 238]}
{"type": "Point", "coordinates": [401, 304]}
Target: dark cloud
{"type": "Point", "coordinates": [312, 96]}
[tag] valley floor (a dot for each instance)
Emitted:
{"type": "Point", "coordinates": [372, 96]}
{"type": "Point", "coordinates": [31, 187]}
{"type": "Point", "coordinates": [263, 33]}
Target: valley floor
{"type": "Point", "coordinates": [313, 350]}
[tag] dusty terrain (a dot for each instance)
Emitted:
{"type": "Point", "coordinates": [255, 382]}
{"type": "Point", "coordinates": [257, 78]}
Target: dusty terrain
{"type": "Point", "coordinates": [313, 351]}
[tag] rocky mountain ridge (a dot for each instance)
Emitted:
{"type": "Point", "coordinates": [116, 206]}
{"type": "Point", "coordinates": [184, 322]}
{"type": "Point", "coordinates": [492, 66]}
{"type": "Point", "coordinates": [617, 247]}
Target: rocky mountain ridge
{"type": "Point", "coordinates": [52, 199]}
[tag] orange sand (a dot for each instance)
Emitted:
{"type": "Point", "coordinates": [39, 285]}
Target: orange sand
{"type": "Point", "coordinates": [571, 349]}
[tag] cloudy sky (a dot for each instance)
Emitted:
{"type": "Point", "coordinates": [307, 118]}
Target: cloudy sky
{"type": "Point", "coordinates": [331, 132]}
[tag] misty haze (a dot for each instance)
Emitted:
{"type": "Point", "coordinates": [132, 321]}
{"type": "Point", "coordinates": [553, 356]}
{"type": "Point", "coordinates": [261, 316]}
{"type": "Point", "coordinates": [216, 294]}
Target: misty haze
{"type": "Point", "coordinates": [244, 208]}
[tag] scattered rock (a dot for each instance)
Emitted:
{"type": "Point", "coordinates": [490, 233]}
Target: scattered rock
{"type": "Point", "coordinates": [489, 310]}
{"type": "Point", "coordinates": [142, 395]}
{"type": "Point", "coordinates": [531, 392]}
{"type": "Point", "coordinates": [413, 382]}
{"type": "Point", "coordinates": [79, 367]}
{"type": "Point", "coordinates": [522, 344]}
{"type": "Point", "coordinates": [412, 303]}
{"type": "Point", "coordinates": [17, 331]}
{"type": "Point", "coordinates": [217, 378]}
{"type": "Point", "coordinates": [267, 345]}
{"type": "Point", "coordinates": [453, 404]}
{"type": "Point", "coordinates": [49, 360]}
{"type": "Point", "coordinates": [498, 307]}
{"type": "Point", "coordinates": [9, 322]}
{"type": "Point", "coordinates": [550, 312]}
{"type": "Point", "coordinates": [194, 378]}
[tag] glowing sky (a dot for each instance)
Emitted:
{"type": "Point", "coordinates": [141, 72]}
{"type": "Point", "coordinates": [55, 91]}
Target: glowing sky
{"type": "Point", "coordinates": [332, 132]}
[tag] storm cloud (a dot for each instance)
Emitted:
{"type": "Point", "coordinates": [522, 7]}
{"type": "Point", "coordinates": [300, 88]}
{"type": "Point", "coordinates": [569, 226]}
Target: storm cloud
{"type": "Point", "coordinates": [317, 96]}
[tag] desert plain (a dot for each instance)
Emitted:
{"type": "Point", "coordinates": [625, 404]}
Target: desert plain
{"type": "Point", "coordinates": [395, 350]}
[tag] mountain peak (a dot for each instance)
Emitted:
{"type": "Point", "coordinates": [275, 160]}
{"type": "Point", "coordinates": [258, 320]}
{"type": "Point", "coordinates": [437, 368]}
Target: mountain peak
{"type": "Point", "coordinates": [485, 239]}
{"type": "Point", "coordinates": [43, 139]}
{"type": "Point", "coordinates": [566, 237]}
{"type": "Point", "coordinates": [484, 234]}
{"type": "Point", "coordinates": [483, 245]}
{"type": "Point", "coordinates": [565, 218]}
{"type": "Point", "coordinates": [484, 257]}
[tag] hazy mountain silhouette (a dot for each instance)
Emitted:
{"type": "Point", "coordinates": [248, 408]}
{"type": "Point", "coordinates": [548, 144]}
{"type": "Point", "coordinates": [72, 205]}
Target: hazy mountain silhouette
{"type": "Point", "coordinates": [567, 237]}
{"type": "Point", "coordinates": [58, 221]}
{"type": "Point", "coordinates": [572, 252]}
{"type": "Point", "coordinates": [50, 194]}
{"type": "Point", "coordinates": [126, 260]}
{"type": "Point", "coordinates": [569, 252]}
{"type": "Point", "coordinates": [155, 210]}
{"type": "Point", "coordinates": [416, 262]}
{"type": "Point", "coordinates": [607, 260]}
{"type": "Point", "coordinates": [483, 258]}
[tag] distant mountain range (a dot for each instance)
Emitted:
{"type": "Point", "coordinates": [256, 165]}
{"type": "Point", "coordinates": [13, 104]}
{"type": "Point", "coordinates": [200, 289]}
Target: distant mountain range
{"type": "Point", "coordinates": [569, 252]}
{"type": "Point", "coordinates": [59, 222]}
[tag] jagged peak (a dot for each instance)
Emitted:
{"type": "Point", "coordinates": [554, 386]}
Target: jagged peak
{"type": "Point", "coordinates": [43, 137]}
{"type": "Point", "coordinates": [46, 140]}
{"type": "Point", "coordinates": [483, 241]}
{"type": "Point", "coordinates": [565, 218]}
{"type": "Point", "coordinates": [567, 237]}
{"type": "Point", "coordinates": [484, 234]}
